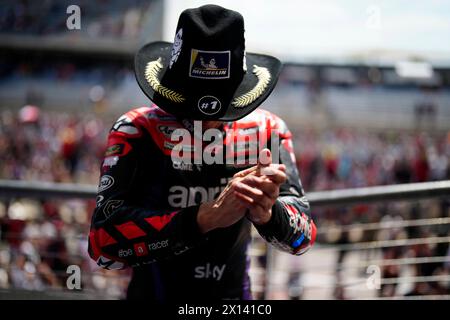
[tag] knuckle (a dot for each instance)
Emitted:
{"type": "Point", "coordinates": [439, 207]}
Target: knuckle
{"type": "Point", "coordinates": [232, 186]}
{"type": "Point", "coordinates": [283, 177]}
{"type": "Point", "coordinates": [258, 180]}
{"type": "Point", "coordinates": [261, 198]}
{"type": "Point", "coordinates": [270, 186]}
{"type": "Point", "coordinates": [249, 179]}
{"type": "Point", "coordinates": [233, 183]}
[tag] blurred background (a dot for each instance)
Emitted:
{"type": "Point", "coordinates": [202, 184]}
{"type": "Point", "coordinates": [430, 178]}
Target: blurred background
{"type": "Point", "coordinates": [365, 90]}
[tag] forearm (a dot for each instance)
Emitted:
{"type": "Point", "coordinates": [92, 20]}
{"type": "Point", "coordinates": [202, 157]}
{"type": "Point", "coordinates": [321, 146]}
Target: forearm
{"type": "Point", "coordinates": [205, 220]}
{"type": "Point", "coordinates": [134, 236]}
{"type": "Point", "coordinates": [290, 227]}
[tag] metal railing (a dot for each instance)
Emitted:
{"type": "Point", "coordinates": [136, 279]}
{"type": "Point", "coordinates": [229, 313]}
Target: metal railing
{"type": "Point", "coordinates": [319, 198]}
{"type": "Point", "coordinates": [413, 191]}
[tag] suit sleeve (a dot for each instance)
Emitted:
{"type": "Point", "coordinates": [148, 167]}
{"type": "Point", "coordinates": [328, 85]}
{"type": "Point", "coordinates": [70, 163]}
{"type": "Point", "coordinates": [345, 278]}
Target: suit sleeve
{"type": "Point", "coordinates": [291, 227]}
{"type": "Point", "coordinates": [124, 230]}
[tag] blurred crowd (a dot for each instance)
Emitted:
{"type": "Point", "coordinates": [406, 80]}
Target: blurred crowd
{"type": "Point", "coordinates": [50, 147]}
{"type": "Point", "coordinates": [63, 147]}
{"type": "Point", "coordinates": [348, 158]}
{"type": "Point", "coordinates": [40, 239]}
{"type": "Point", "coordinates": [425, 264]}
{"type": "Point", "coordinates": [60, 71]}
{"type": "Point", "coordinates": [100, 18]}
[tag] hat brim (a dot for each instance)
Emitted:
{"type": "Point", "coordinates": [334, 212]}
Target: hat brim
{"type": "Point", "coordinates": [257, 84]}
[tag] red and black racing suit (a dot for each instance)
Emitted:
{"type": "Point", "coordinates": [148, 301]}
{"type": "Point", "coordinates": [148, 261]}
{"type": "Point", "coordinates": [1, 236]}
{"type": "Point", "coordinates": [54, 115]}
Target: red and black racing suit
{"type": "Point", "coordinates": [147, 203]}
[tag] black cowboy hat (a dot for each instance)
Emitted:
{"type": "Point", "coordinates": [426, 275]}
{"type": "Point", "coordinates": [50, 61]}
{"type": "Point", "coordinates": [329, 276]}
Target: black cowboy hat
{"type": "Point", "coordinates": [206, 73]}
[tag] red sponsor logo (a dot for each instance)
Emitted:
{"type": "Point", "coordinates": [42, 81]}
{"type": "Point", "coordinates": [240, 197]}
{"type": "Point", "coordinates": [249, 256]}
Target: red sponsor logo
{"type": "Point", "coordinates": [140, 249]}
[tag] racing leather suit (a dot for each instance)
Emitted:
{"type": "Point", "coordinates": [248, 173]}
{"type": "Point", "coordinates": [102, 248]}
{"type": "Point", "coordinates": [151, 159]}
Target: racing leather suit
{"type": "Point", "coordinates": [147, 204]}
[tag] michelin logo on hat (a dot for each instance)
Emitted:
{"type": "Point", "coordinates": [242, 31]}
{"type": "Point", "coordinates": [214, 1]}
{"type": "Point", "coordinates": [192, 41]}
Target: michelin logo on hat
{"type": "Point", "coordinates": [210, 64]}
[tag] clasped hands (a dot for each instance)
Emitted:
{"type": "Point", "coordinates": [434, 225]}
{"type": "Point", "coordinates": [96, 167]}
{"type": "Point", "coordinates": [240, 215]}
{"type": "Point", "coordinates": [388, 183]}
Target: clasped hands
{"type": "Point", "coordinates": [251, 192]}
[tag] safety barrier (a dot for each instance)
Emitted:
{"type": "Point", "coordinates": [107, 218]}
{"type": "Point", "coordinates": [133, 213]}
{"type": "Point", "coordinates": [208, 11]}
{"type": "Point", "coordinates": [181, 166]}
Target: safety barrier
{"type": "Point", "coordinates": [346, 197]}
{"type": "Point", "coordinates": [318, 198]}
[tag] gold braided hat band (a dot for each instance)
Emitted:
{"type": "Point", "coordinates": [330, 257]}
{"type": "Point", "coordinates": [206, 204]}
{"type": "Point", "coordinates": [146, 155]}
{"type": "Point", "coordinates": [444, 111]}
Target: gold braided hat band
{"type": "Point", "coordinates": [151, 74]}
{"type": "Point", "coordinates": [154, 67]}
{"type": "Point", "coordinates": [264, 77]}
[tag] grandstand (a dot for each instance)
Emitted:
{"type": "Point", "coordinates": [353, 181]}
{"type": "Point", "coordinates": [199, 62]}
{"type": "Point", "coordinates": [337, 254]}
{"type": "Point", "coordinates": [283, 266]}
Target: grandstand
{"type": "Point", "coordinates": [354, 124]}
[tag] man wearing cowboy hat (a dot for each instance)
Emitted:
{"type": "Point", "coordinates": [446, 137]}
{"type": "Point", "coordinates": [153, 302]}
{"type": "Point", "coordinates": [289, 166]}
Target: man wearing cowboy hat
{"type": "Point", "coordinates": [180, 213]}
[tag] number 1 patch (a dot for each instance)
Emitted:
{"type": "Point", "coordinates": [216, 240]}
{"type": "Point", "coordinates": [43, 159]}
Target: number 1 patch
{"type": "Point", "coordinates": [209, 105]}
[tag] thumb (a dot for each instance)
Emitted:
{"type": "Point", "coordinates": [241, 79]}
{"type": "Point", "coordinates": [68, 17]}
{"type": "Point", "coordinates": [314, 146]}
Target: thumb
{"type": "Point", "coordinates": [264, 162]}
{"type": "Point", "coordinates": [265, 158]}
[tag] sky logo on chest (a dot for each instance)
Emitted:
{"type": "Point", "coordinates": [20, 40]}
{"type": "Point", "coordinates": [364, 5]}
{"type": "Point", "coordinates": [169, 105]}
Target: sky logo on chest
{"type": "Point", "coordinates": [210, 64]}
